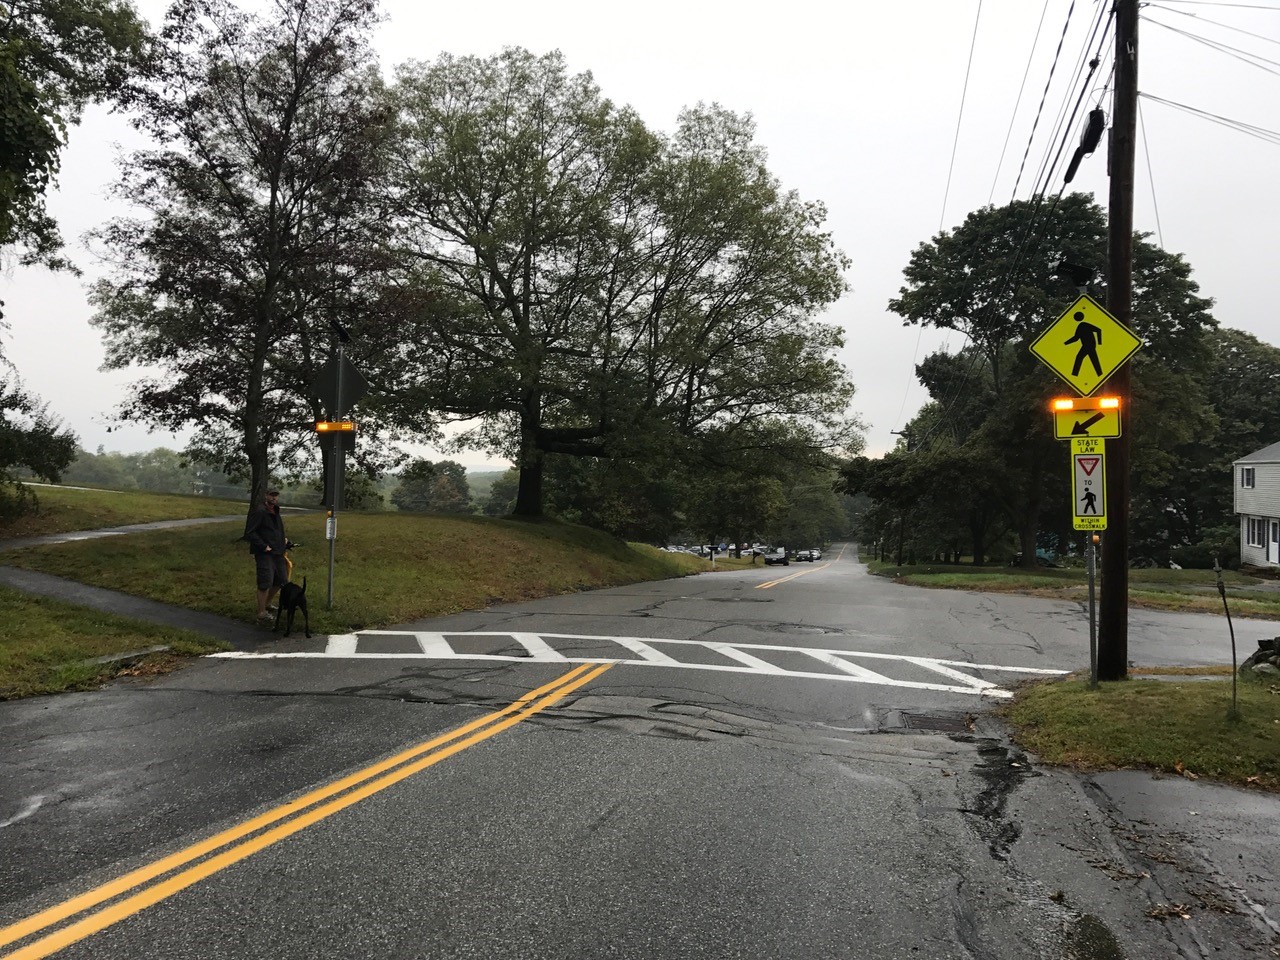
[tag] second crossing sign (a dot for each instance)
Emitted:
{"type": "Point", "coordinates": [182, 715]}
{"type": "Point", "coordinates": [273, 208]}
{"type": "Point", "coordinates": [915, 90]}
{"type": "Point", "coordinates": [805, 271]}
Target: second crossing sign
{"type": "Point", "coordinates": [1088, 484]}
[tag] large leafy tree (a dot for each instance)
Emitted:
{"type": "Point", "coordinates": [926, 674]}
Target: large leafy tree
{"type": "Point", "coordinates": [259, 223]}
{"type": "Point", "coordinates": [999, 279]}
{"type": "Point", "coordinates": [56, 56]}
{"type": "Point", "coordinates": [587, 285]}
{"type": "Point", "coordinates": [427, 487]}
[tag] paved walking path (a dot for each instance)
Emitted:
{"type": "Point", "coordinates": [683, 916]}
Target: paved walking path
{"type": "Point", "coordinates": [238, 633]}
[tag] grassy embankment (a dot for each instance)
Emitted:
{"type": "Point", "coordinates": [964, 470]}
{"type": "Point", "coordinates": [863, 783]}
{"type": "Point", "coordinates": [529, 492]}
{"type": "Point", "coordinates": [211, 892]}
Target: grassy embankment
{"type": "Point", "coordinates": [390, 568]}
{"type": "Point", "coordinates": [1170, 726]}
{"type": "Point", "coordinates": [1186, 591]}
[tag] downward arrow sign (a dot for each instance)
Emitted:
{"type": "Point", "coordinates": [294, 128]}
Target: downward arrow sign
{"type": "Point", "coordinates": [1083, 428]}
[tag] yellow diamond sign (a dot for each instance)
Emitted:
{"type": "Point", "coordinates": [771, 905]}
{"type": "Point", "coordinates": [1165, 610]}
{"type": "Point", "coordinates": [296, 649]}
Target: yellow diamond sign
{"type": "Point", "coordinates": [1086, 345]}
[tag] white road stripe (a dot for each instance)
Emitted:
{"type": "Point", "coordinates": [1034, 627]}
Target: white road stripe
{"type": "Point", "coordinates": [650, 655]}
{"type": "Point", "coordinates": [851, 668]}
{"type": "Point", "coordinates": [435, 646]}
{"type": "Point", "coordinates": [538, 648]}
{"type": "Point", "coordinates": [755, 663]}
{"type": "Point", "coordinates": [342, 645]}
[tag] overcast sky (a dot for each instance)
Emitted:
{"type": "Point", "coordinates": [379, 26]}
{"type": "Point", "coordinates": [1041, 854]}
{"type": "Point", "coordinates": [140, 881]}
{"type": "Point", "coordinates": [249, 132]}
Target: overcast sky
{"type": "Point", "coordinates": [858, 108]}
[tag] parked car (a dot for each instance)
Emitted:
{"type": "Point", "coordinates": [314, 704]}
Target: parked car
{"type": "Point", "coordinates": [777, 557]}
{"type": "Point", "coordinates": [815, 554]}
{"type": "Point", "coordinates": [804, 555]}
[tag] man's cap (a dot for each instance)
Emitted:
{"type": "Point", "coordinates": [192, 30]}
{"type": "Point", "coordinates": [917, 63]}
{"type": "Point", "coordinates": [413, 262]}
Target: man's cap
{"type": "Point", "coordinates": [273, 493]}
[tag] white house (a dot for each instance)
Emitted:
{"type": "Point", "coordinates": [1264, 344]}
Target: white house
{"type": "Point", "coordinates": [1257, 502]}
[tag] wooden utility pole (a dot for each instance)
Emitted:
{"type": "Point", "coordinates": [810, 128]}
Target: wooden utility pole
{"type": "Point", "coordinates": [1113, 619]}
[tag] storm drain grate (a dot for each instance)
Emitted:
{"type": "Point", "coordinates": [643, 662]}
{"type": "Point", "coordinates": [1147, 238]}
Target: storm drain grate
{"type": "Point", "coordinates": [925, 721]}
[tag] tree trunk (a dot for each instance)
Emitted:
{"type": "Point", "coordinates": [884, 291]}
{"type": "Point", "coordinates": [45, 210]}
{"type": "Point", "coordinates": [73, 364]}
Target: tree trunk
{"type": "Point", "coordinates": [529, 496]}
{"type": "Point", "coordinates": [1027, 538]}
{"type": "Point", "coordinates": [978, 535]}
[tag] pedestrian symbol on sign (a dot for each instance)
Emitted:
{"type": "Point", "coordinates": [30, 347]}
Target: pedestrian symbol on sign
{"type": "Point", "coordinates": [1088, 336]}
{"type": "Point", "coordinates": [1088, 485]}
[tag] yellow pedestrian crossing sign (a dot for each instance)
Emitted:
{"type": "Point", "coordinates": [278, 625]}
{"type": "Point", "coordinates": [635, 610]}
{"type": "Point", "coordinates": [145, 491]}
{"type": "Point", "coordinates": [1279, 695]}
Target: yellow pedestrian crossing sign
{"type": "Point", "coordinates": [1086, 345]}
{"type": "Point", "coordinates": [1088, 484]}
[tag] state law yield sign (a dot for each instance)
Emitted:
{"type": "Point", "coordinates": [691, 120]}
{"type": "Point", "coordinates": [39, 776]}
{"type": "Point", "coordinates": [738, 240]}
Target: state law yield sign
{"type": "Point", "coordinates": [1088, 484]}
{"type": "Point", "coordinates": [1086, 345]}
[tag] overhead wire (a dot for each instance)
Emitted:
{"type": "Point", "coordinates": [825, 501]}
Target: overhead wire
{"type": "Point", "coordinates": [1220, 3]}
{"type": "Point", "coordinates": [1244, 56]}
{"type": "Point", "coordinates": [973, 43]}
{"type": "Point", "coordinates": [964, 92]}
{"type": "Point", "coordinates": [1039, 110]}
{"type": "Point", "coordinates": [1048, 168]}
{"type": "Point", "coordinates": [1216, 23]}
{"type": "Point", "coordinates": [1261, 133]}
{"type": "Point", "coordinates": [1146, 148]}
{"type": "Point", "coordinates": [1035, 42]}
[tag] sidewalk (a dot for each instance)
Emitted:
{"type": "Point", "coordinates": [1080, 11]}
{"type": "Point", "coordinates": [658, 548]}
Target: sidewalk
{"type": "Point", "coordinates": [239, 634]}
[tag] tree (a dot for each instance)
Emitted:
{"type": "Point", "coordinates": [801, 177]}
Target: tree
{"type": "Point", "coordinates": [30, 439]}
{"type": "Point", "coordinates": [56, 56]}
{"type": "Point", "coordinates": [427, 487]}
{"type": "Point", "coordinates": [502, 495]}
{"type": "Point", "coordinates": [260, 223]}
{"type": "Point", "coordinates": [587, 285]}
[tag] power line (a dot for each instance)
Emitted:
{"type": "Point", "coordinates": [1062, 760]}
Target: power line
{"type": "Point", "coordinates": [1219, 3]}
{"type": "Point", "coordinates": [1061, 130]}
{"type": "Point", "coordinates": [1066, 23]}
{"type": "Point", "coordinates": [1252, 59]}
{"type": "Point", "coordinates": [946, 194]}
{"type": "Point", "coordinates": [1261, 133]}
{"type": "Point", "coordinates": [1146, 147]}
{"type": "Point", "coordinates": [1018, 102]}
{"type": "Point", "coordinates": [1216, 23]}
{"type": "Point", "coordinates": [973, 43]}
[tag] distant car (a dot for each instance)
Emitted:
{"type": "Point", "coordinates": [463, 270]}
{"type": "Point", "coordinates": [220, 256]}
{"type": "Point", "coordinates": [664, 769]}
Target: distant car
{"type": "Point", "coordinates": [815, 554]}
{"type": "Point", "coordinates": [777, 558]}
{"type": "Point", "coordinates": [802, 555]}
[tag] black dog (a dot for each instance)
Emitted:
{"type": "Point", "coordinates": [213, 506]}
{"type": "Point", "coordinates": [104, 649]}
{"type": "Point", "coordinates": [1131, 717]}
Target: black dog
{"type": "Point", "coordinates": [292, 599]}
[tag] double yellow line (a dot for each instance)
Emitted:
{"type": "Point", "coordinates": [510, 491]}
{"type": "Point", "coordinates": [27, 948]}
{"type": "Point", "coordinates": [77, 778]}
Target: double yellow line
{"type": "Point", "coordinates": [800, 573]}
{"type": "Point", "coordinates": [296, 815]}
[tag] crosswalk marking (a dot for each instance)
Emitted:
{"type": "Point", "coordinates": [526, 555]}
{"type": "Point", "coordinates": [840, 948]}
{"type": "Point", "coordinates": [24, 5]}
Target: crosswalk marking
{"type": "Point", "coordinates": [744, 658]}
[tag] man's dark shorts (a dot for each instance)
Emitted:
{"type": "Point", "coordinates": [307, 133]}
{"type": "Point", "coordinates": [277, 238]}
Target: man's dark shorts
{"type": "Point", "coordinates": [271, 570]}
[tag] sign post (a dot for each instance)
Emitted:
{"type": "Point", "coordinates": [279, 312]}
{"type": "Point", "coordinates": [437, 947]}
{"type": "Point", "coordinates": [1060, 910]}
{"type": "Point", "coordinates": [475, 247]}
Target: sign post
{"type": "Point", "coordinates": [1085, 346]}
{"type": "Point", "coordinates": [1091, 561]}
{"type": "Point", "coordinates": [338, 386]}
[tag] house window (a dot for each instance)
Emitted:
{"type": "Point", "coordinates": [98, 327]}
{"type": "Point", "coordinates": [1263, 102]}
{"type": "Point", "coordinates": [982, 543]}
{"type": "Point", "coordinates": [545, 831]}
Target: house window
{"type": "Point", "coordinates": [1256, 532]}
{"type": "Point", "coordinates": [1246, 477]}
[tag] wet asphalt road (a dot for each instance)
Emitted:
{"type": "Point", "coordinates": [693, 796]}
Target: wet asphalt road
{"type": "Point", "coordinates": [733, 795]}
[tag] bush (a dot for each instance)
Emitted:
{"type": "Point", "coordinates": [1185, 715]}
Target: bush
{"type": "Point", "coordinates": [1200, 556]}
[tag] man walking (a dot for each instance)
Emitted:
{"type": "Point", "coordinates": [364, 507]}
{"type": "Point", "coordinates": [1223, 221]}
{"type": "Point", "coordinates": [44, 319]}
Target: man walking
{"type": "Point", "coordinates": [267, 543]}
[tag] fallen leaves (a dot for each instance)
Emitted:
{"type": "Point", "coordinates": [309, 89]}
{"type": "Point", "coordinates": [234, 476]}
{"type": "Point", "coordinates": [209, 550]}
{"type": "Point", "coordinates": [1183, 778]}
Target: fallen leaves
{"type": "Point", "coordinates": [1163, 911]}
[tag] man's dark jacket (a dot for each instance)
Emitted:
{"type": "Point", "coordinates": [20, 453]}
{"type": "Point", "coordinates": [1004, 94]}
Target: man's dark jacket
{"type": "Point", "coordinates": [265, 528]}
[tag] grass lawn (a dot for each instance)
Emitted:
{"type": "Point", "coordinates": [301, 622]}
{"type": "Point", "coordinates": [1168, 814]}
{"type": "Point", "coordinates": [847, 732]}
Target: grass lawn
{"type": "Point", "coordinates": [44, 645]}
{"type": "Point", "coordinates": [1172, 726]}
{"type": "Point", "coordinates": [1191, 591]}
{"type": "Point", "coordinates": [64, 510]}
{"type": "Point", "coordinates": [390, 567]}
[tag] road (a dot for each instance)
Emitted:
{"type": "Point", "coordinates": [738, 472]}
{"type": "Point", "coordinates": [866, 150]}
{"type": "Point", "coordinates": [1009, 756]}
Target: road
{"type": "Point", "coordinates": [792, 762]}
